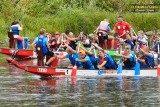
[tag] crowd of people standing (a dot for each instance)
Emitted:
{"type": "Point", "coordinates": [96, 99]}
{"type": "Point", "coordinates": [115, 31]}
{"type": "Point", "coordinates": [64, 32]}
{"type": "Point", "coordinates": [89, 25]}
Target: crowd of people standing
{"type": "Point", "coordinates": [136, 46]}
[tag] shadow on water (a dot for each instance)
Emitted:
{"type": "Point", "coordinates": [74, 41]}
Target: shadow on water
{"type": "Point", "coordinates": [19, 88]}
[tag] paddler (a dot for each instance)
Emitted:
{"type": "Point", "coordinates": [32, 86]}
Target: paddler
{"type": "Point", "coordinates": [149, 55]}
{"type": "Point", "coordinates": [105, 60]}
{"type": "Point", "coordinates": [128, 58]}
{"type": "Point", "coordinates": [85, 60]}
{"type": "Point", "coordinates": [142, 60]}
{"type": "Point", "coordinates": [72, 55]}
{"type": "Point", "coordinates": [92, 55]}
{"type": "Point", "coordinates": [42, 41]}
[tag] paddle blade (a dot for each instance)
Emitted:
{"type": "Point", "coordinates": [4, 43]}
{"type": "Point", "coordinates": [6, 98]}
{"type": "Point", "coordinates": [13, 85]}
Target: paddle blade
{"type": "Point", "coordinates": [158, 70]}
{"type": "Point", "coordinates": [55, 62]}
{"type": "Point", "coordinates": [119, 69]}
{"type": "Point", "coordinates": [137, 69]}
{"type": "Point", "coordinates": [74, 70]}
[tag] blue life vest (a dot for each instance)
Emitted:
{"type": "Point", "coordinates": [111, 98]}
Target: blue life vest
{"type": "Point", "coordinates": [88, 64]}
{"type": "Point", "coordinates": [140, 42]}
{"type": "Point", "coordinates": [110, 62]}
{"type": "Point", "coordinates": [142, 65]}
{"type": "Point", "coordinates": [41, 43]}
{"type": "Point", "coordinates": [94, 60]}
{"type": "Point", "coordinates": [131, 62]}
{"type": "Point", "coordinates": [156, 47]}
{"type": "Point", "coordinates": [72, 58]}
{"type": "Point", "coordinates": [15, 30]}
{"type": "Point", "coordinates": [133, 55]}
{"type": "Point", "coordinates": [150, 60]}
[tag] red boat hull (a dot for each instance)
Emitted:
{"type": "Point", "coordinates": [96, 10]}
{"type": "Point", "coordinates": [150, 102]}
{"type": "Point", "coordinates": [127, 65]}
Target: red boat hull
{"type": "Point", "coordinates": [39, 70]}
{"type": "Point", "coordinates": [43, 71]}
{"type": "Point", "coordinates": [22, 53]}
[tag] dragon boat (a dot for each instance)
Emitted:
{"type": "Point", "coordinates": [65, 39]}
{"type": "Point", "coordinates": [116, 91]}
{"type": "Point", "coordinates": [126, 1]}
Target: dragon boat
{"type": "Point", "coordinates": [54, 72]}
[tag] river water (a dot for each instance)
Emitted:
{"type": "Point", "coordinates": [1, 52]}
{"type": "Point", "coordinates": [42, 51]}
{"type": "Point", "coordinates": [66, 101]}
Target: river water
{"type": "Point", "coordinates": [19, 88]}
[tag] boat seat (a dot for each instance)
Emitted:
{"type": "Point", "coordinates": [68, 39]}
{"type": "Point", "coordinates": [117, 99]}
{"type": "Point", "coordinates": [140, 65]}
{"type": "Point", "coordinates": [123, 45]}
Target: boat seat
{"type": "Point", "coordinates": [12, 41]}
{"type": "Point", "coordinates": [40, 56]}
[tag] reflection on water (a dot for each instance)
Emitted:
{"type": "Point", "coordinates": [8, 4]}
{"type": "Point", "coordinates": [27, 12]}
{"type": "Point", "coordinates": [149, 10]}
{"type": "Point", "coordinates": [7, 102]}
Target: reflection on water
{"type": "Point", "coordinates": [19, 88]}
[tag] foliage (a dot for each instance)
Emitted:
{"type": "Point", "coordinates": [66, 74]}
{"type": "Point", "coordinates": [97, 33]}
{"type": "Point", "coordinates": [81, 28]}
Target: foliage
{"type": "Point", "coordinates": [72, 15]}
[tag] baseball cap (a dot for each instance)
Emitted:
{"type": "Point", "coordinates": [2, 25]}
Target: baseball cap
{"type": "Point", "coordinates": [82, 52]}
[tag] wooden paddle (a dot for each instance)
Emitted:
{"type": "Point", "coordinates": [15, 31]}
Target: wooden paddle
{"type": "Point", "coordinates": [74, 69]}
{"type": "Point", "coordinates": [158, 48]}
{"type": "Point", "coordinates": [119, 69]}
{"type": "Point", "coordinates": [60, 45]}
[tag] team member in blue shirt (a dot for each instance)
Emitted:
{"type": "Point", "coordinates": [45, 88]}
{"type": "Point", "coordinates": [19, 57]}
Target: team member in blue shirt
{"type": "Point", "coordinates": [85, 60]}
{"type": "Point", "coordinates": [16, 28]}
{"type": "Point", "coordinates": [72, 55]}
{"type": "Point", "coordinates": [42, 40]}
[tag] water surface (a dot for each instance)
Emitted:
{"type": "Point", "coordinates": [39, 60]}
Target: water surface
{"type": "Point", "coordinates": [18, 88]}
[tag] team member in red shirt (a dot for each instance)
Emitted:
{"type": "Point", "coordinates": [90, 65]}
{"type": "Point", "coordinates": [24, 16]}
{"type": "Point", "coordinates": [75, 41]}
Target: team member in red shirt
{"type": "Point", "coordinates": [122, 27]}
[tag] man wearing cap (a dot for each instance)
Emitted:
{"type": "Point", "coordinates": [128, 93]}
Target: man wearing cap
{"type": "Point", "coordinates": [85, 60]}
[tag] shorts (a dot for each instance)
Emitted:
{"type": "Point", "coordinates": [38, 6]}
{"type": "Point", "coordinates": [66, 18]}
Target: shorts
{"type": "Point", "coordinates": [105, 36]}
{"type": "Point", "coordinates": [19, 38]}
{"type": "Point", "coordinates": [100, 37]}
{"type": "Point", "coordinates": [50, 53]}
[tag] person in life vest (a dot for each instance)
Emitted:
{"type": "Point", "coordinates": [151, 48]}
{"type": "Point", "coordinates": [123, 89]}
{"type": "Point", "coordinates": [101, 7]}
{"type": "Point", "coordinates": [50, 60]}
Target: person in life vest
{"type": "Point", "coordinates": [72, 55]}
{"type": "Point", "coordinates": [141, 39]}
{"type": "Point", "coordinates": [142, 60]}
{"type": "Point", "coordinates": [92, 55]}
{"type": "Point", "coordinates": [85, 60]}
{"type": "Point", "coordinates": [103, 31]}
{"type": "Point", "coordinates": [149, 55]}
{"type": "Point", "coordinates": [156, 42]}
{"type": "Point", "coordinates": [122, 27]}
{"type": "Point", "coordinates": [128, 58]}
{"type": "Point", "coordinates": [16, 28]}
{"type": "Point", "coordinates": [42, 41]}
{"type": "Point", "coordinates": [105, 60]}
{"type": "Point", "coordinates": [127, 41]}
